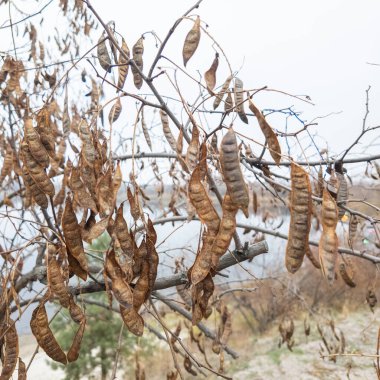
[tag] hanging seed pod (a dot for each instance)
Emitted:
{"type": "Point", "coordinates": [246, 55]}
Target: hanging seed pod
{"type": "Point", "coordinates": [371, 299]}
{"type": "Point", "coordinates": [36, 148]}
{"type": "Point", "coordinates": [7, 164]}
{"type": "Point", "coordinates": [193, 150]}
{"type": "Point", "coordinates": [210, 75]}
{"type": "Point", "coordinates": [347, 275]}
{"type": "Point", "coordinates": [73, 353]}
{"type": "Point", "coordinates": [342, 194]}
{"type": "Point", "coordinates": [11, 350]}
{"type": "Point", "coordinates": [219, 96]}
{"type": "Point", "coordinates": [312, 258]}
{"type": "Point", "coordinates": [37, 194]}
{"type": "Point", "coordinates": [352, 229]}
{"type": "Point", "coordinates": [132, 320]}
{"type": "Point", "coordinates": [145, 130]}
{"type": "Point", "coordinates": [103, 55]}
{"type": "Point", "coordinates": [137, 51]}
{"type": "Point", "coordinates": [320, 186]}
{"type": "Point", "coordinates": [115, 111]}
{"type": "Point", "coordinates": [300, 218]}
{"type": "Point", "coordinates": [232, 174]}
{"type": "Point", "coordinates": [123, 65]}
{"type": "Point", "coordinates": [191, 41]}
{"type": "Point", "coordinates": [167, 132]}
{"type": "Point", "coordinates": [239, 100]}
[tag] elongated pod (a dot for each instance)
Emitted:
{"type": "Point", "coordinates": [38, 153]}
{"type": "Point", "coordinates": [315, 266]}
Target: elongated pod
{"type": "Point", "coordinates": [11, 349]}
{"type": "Point", "coordinates": [191, 41]}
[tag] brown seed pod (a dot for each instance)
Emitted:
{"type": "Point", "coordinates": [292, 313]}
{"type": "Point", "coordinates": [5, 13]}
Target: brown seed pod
{"type": "Point", "coordinates": [134, 204]}
{"type": "Point", "coordinates": [346, 273]}
{"type": "Point", "coordinates": [11, 349]}
{"type": "Point", "coordinates": [185, 295]}
{"type": "Point", "coordinates": [132, 320]}
{"type": "Point", "coordinates": [153, 260]}
{"type": "Point", "coordinates": [239, 100]}
{"type": "Point", "coordinates": [122, 233]}
{"type": "Point", "coordinates": [88, 150]}
{"type": "Point", "coordinates": [104, 192]}
{"type": "Point", "coordinates": [342, 194]}
{"type": "Point", "coordinates": [103, 55]}
{"type": "Point", "coordinates": [138, 51]}
{"type": "Point", "coordinates": [167, 132]}
{"type": "Point", "coordinates": [226, 231]}
{"type": "Point", "coordinates": [37, 194]}
{"type": "Point", "coordinates": [193, 149]}
{"type": "Point", "coordinates": [56, 281]}
{"type": "Point", "coordinates": [328, 243]}
{"type": "Point", "coordinates": [72, 233]}
{"type": "Point", "coordinates": [229, 103]}
{"type": "Point", "coordinates": [76, 313]}
{"type": "Point", "coordinates": [320, 186]}
{"type": "Point", "coordinates": [7, 164]}
{"type": "Point", "coordinates": [300, 218]}
{"type": "Point", "coordinates": [141, 290]}
{"type": "Point", "coordinates": [40, 328]}
{"type": "Point", "coordinates": [36, 171]}
{"type": "Point", "coordinates": [210, 74]}
{"type": "Point", "coordinates": [123, 65]}
{"type": "Point", "coordinates": [201, 294]}
{"type": "Point", "coordinates": [371, 299]}
{"type": "Point", "coordinates": [115, 111]}
{"type": "Point", "coordinates": [352, 229]}
{"type": "Point", "coordinates": [312, 258]}
{"type": "Point", "coordinates": [36, 148]}
{"type": "Point", "coordinates": [191, 41]}
{"type": "Point", "coordinates": [73, 353]}
{"type": "Point", "coordinates": [219, 96]}
{"type": "Point", "coordinates": [21, 370]}
{"type": "Point", "coordinates": [145, 130]}
{"type": "Point", "coordinates": [117, 180]}
{"type": "Point", "coordinates": [270, 136]}
{"type": "Point", "coordinates": [202, 202]}
{"type": "Point", "coordinates": [232, 174]}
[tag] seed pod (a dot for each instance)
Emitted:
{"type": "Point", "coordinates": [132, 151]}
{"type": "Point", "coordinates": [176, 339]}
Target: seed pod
{"type": "Point", "coordinates": [239, 100]}
{"type": "Point", "coordinates": [232, 174]}
{"type": "Point", "coordinates": [342, 194]}
{"type": "Point", "coordinates": [312, 258]}
{"type": "Point", "coordinates": [352, 228]}
{"type": "Point", "coordinates": [141, 289]}
{"type": "Point", "coordinates": [104, 193]}
{"type": "Point", "coordinates": [210, 74]}
{"type": "Point", "coordinates": [193, 149]}
{"type": "Point", "coordinates": [76, 313]}
{"type": "Point", "coordinates": [73, 353]}
{"type": "Point", "coordinates": [21, 370]}
{"type": "Point", "coordinates": [153, 260]}
{"type": "Point", "coordinates": [346, 273]}
{"type": "Point", "coordinates": [45, 131]}
{"type": "Point", "coordinates": [132, 320]}
{"type": "Point", "coordinates": [320, 186]}
{"type": "Point", "coordinates": [56, 281]}
{"type": "Point", "coordinates": [37, 194]}
{"type": "Point", "coordinates": [188, 365]}
{"type": "Point", "coordinates": [219, 96]}
{"type": "Point", "coordinates": [36, 171]}
{"type": "Point", "coordinates": [11, 350]}
{"type": "Point", "coordinates": [134, 204]}
{"type": "Point", "coordinates": [137, 51]}
{"type": "Point", "coordinates": [184, 293]}
{"type": "Point", "coordinates": [300, 218]}
{"type": "Point", "coordinates": [167, 132]}
{"type": "Point", "coordinates": [7, 164]}
{"type": "Point", "coordinates": [145, 130]}
{"type": "Point", "coordinates": [371, 299]}
{"type": "Point", "coordinates": [103, 55]}
{"type": "Point", "coordinates": [123, 65]}
{"type": "Point", "coordinates": [202, 203]}
{"type": "Point", "coordinates": [115, 111]}
{"type": "Point", "coordinates": [40, 328]}
{"type": "Point", "coordinates": [270, 136]}
{"type": "Point", "coordinates": [71, 231]}
{"type": "Point", "coordinates": [191, 41]}
{"type": "Point", "coordinates": [88, 150]}
{"type": "Point", "coordinates": [328, 244]}
{"type": "Point", "coordinates": [117, 180]}
{"type": "Point", "coordinates": [228, 104]}
{"type": "Point", "coordinates": [122, 233]}
{"type": "Point", "coordinates": [201, 294]}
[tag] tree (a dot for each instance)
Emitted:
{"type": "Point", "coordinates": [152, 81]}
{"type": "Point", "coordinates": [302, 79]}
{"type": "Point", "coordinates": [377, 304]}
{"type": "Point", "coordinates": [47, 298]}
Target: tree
{"type": "Point", "coordinates": [70, 174]}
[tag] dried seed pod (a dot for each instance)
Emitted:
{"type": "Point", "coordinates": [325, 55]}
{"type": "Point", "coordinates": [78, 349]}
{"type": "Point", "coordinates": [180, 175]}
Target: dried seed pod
{"type": "Point", "coordinates": [300, 218]}
{"type": "Point", "coordinates": [137, 51]}
{"type": "Point", "coordinates": [36, 171]}
{"type": "Point", "coordinates": [81, 196]}
{"type": "Point", "coordinates": [312, 258]}
{"type": "Point", "coordinates": [115, 111]}
{"type": "Point", "coordinates": [342, 194]}
{"type": "Point", "coordinates": [88, 150]}
{"type": "Point", "coordinates": [328, 243]}
{"type": "Point", "coordinates": [21, 370]}
{"type": "Point", "coordinates": [132, 320]}
{"type": "Point", "coordinates": [229, 103]}
{"type": "Point", "coordinates": [167, 132]}
{"type": "Point", "coordinates": [270, 136]}
{"type": "Point", "coordinates": [138, 258]}
{"type": "Point", "coordinates": [320, 186]}
{"type": "Point", "coordinates": [37, 194]}
{"type": "Point", "coordinates": [11, 349]}
{"type": "Point", "coordinates": [123, 65]}
{"type": "Point", "coordinates": [239, 100]}
{"type": "Point", "coordinates": [56, 281]}
{"type": "Point", "coordinates": [73, 353]}
{"type": "Point", "coordinates": [219, 96]}
{"type": "Point", "coordinates": [72, 233]}
{"type": "Point", "coordinates": [40, 328]}
{"type": "Point", "coordinates": [103, 55]}
{"type": "Point", "coordinates": [201, 294]}
{"type": "Point", "coordinates": [352, 228]}
{"type": "Point", "coordinates": [145, 130]}
{"type": "Point", "coordinates": [76, 313]}
{"type": "Point", "coordinates": [185, 295]}
{"type": "Point", "coordinates": [122, 233]}
{"type": "Point", "coordinates": [7, 165]}
{"type": "Point", "coordinates": [191, 41]}
{"type": "Point", "coordinates": [141, 289]}
{"type": "Point", "coordinates": [286, 329]}
{"type": "Point", "coordinates": [104, 192]}
{"type": "Point", "coordinates": [371, 299]}
{"type": "Point", "coordinates": [193, 149]}
{"type": "Point", "coordinates": [153, 260]}
{"type": "Point", "coordinates": [210, 74]}
{"type": "Point", "coordinates": [232, 174]}
{"type": "Point", "coordinates": [346, 273]}
{"type": "Point", "coordinates": [202, 202]}
{"type": "Point", "coordinates": [134, 204]}
{"type": "Point", "coordinates": [226, 230]}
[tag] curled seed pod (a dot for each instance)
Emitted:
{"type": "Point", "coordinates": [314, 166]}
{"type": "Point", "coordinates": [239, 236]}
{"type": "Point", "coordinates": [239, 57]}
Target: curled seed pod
{"type": "Point", "coordinates": [36, 171]}
{"type": "Point", "coordinates": [7, 165]}
{"type": "Point", "coordinates": [342, 194]}
{"type": "Point", "coordinates": [202, 202]}
{"type": "Point", "coordinates": [270, 136]}
{"type": "Point", "coordinates": [139, 257]}
{"type": "Point", "coordinates": [210, 74]}
{"type": "Point", "coordinates": [56, 282]}
{"type": "Point", "coordinates": [72, 233]}
{"type": "Point", "coordinates": [191, 41]}
{"type": "Point", "coordinates": [73, 353]}
{"type": "Point", "coordinates": [123, 65]}
{"type": "Point", "coordinates": [167, 132]}
{"type": "Point", "coordinates": [11, 349]}
{"type": "Point", "coordinates": [219, 96]}
{"type": "Point", "coordinates": [232, 174]}
{"type": "Point", "coordinates": [300, 218]}
{"type": "Point", "coordinates": [239, 100]}
{"type": "Point", "coordinates": [37, 194]}
{"type": "Point", "coordinates": [352, 229]}
{"type": "Point", "coordinates": [122, 233]}
{"type": "Point", "coordinates": [103, 55]}
{"type": "Point", "coordinates": [115, 111]}
{"type": "Point", "coordinates": [226, 230]}
{"type": "Point", "coordinates": [371, 299]}
{"type": "Point", "coordinates": [214, 143]}
{"type": "Point", "coordinates": [346, 273]}
{"type": "Point", "coordinates": [132, 320]}
{"type": "Point", "coordinates": [193, 149]}
{"type": "Point", "coordinates": [312, 258]}
{"type": "Point", "coordinates": [40, 328]}
{"type": "Point", "coordinates": [328, 243]}
{"type": "Point", "coordinates": [138, 51]}
{"type": "Point", "coordinates": [145, 130]}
